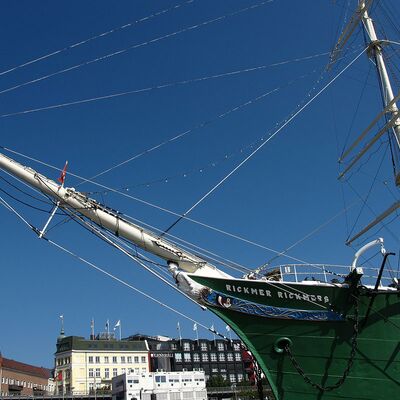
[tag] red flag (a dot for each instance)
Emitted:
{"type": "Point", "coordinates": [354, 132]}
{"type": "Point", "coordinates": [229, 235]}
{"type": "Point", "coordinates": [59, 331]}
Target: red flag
{"type": "Point", "coordinates": [59, 376]}
{"type": "Point", "coordinates": [61, 179]}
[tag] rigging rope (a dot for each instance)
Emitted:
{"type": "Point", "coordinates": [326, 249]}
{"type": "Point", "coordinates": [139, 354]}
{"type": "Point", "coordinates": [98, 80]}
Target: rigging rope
{"type": "Point", "coordinates": [208, 226]}
{"type": "Point", "coordinates": [100, 35]}
{"type": "Point", "coordinates": [87, 225]}
{"type": "Point", "coordinates": [308, 235]}
{"type": "Point", "coordinates": [271, 136]}
{"type": "Point", "coordinates": [186, 217]}
{"type": "Point", "coordinates": [138, 45]}
{"type": "Point", "coordinates": [198, 126]}
{"type": "Point", "coordinates": [160, 86]}
{"type": "Point", "coordinates": [108, 274]}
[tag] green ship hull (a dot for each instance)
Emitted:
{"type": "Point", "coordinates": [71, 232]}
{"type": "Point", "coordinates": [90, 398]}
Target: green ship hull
{"type": "Point", "coordinates": [322, 347]}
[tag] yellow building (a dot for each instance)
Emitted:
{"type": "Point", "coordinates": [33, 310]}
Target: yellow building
{"type": "Point", "coordinates": [83, 366]}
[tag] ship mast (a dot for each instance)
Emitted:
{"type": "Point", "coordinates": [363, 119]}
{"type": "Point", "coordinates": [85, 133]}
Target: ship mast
{"type": "Point", "coordinates": [391, 110]}
{"type": "Point", "coordinates": [375, 50]}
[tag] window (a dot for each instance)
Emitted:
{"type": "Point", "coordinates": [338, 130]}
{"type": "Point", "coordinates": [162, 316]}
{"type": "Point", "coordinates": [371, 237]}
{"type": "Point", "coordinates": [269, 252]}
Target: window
{"type": "Point", "coordinates": [129, 360]}
{"type": "Point", "coordinates": [236, 347]}
{"type": "Point", "coordinates": [97, 372]}
{"type": "Point", "coordinates": [161, 378]}
{"type": "Point", "coordinates": [229, 357]}
{"type": "Point", "coordinates": [97, 359]}
{"type": "Point", "coordinates": [239, 377]}
{"type": "Point", "coordinates": [173, 346]}
{"type": "Point", "coordinates": [214, 370]}
{"type": "Point", "coordinates": [90, 359]}
{"type": "Point", "coordinates": [178, 357]}
{"type": "Point", "coordinates": [203, 346]}
{"type": "Point", "coordinates": [232, 378]}
{"type": "Point", "coordinates": [67, 373]}
{"type": "Point", "coordinates": [144, 370]}
{"type": "Point", "coordinates": [186, 346]}
{"type": "Point", "coordinates": [196, 357]}
{"type": "Point", "coordinates": [107, 373]}
{"type": "Point", "coordinates": [221, 357]}
{"type": "Point", "coordinates": [238, 357]}
{"type": "Point", "coordinates": [221, 346]}
{"type": "Point", "coordinates": [91, 373]}
{"type": "Point", "coordinates": [136, 358]}
{"type": "Point", "coordinates": [204, 357]}
{"type": "Point", "coordinates": [213, 356]}
{"type": "Point", "coordinates": [186, 357]}
{"type": "Point", "coordinates": [123, 370]}
{"type": "Point", "coordinates": [143, 359]}
{"type": "Point", "coordinates": [106, 360]}
{"type": "Point", "coordinates": [115, 372]}
{"type": "Point", "coordinates": [122, 359]}
{"type": "Point", "coordinates": [115, 360]}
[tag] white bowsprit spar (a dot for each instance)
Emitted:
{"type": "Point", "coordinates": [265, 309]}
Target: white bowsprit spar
{"type": "Point", "coordinates": [71, 200]}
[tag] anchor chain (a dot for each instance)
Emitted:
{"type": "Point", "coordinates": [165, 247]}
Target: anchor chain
{"type": "Point", "coordinates": [340, 382]}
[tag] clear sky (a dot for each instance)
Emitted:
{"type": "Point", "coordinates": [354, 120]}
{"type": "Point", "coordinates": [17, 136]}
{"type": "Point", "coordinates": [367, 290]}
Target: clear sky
{"type": "Point", "coordinates": [280, 195]}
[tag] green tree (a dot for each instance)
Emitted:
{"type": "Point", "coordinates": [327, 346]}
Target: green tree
{"type": "Point", "coordinates": [217, 381]}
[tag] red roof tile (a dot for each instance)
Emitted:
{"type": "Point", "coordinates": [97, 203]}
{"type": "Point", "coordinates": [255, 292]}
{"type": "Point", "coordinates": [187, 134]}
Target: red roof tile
{"type": "Point", "coordinates": [17, 366]}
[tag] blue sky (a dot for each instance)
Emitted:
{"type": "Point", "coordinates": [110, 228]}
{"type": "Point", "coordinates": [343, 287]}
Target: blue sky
{"type": "Point", "coordinates": [284, 192]}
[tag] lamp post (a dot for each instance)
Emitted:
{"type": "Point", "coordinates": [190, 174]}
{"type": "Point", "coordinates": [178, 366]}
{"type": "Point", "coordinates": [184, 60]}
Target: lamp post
{"type": "Point", "coordinates": [234, 390]}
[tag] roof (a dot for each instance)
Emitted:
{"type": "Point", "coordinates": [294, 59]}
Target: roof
{"type": "Point", "coordinates": [27, 369]}
{"type": "Point", "coordinates": [79, 343]}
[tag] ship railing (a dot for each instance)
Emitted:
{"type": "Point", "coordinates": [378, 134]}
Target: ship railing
{"type": "Point", "coordinates": [326, 273]}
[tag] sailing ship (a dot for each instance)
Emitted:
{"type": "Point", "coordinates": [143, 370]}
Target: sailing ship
{"type": "Point", "coordinates": [316, 332]}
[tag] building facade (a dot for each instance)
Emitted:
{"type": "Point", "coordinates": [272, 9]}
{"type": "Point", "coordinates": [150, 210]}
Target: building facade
{"type": "Point", "coordinates": [187, 385]}
{"type": "Point", "coordinates": [85, 366]}
{"type": "Point", "coordinates": [18, 378]}
{"type": "Point", "coordinates": [215, 357]}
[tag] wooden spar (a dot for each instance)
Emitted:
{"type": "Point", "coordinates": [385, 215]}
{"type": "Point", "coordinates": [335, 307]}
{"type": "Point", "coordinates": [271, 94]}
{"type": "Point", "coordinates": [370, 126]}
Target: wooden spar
{"type": "Point", "coordinates": [388, 126]}
{"type": "Point", "coordinates": [376, 221]}
{"type": "Point", "coordinates": [369, 127]}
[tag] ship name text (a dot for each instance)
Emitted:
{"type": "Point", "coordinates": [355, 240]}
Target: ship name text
{"type": "Point", "coordinates": [279, 294]}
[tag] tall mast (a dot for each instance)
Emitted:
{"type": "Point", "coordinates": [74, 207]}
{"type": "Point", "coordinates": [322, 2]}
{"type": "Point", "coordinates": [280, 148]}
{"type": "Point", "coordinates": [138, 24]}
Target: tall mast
{"type": "Point", "coordinates": [375, 51]}
{"type": "Point", "coordinates": [390, 106]}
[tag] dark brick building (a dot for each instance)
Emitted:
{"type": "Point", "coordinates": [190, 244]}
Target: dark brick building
{"type": "Point", "coordinates": [215, 357]}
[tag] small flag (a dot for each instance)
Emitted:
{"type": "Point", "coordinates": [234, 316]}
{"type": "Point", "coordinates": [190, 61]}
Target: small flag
{"type": "Point", "coordinates": [195, 327]}
{"type": "Point", "coordinates": [212, 327]}
{"type": "Point", "coordinates": [228, 328]}
{"type": "Point", "coordinates": [62, 316]}
{"type": "Point", "coordinates": [117, 324]}
{"type": "Point", "coordinates": [61, 179]}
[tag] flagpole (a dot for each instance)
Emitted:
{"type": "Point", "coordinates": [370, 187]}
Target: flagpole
{"type": "Point", "coordinates": [197, 332]}
{"type": "Point", "coordinates": [62, 324]}
{"type": "Point", "coordinates": [213, 332]}
{"type": "Point", "coordinates": [178, 326]}
{"type": "Point", "coordinates": [118, 325]}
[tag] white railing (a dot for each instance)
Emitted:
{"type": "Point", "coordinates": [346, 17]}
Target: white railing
{"type": "Point", "coordinates": [325, 273]}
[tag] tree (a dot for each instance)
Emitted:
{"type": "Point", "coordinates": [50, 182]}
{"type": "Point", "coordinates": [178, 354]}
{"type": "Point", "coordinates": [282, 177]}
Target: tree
{"type": "Point", "coordinates": [217, 381]}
